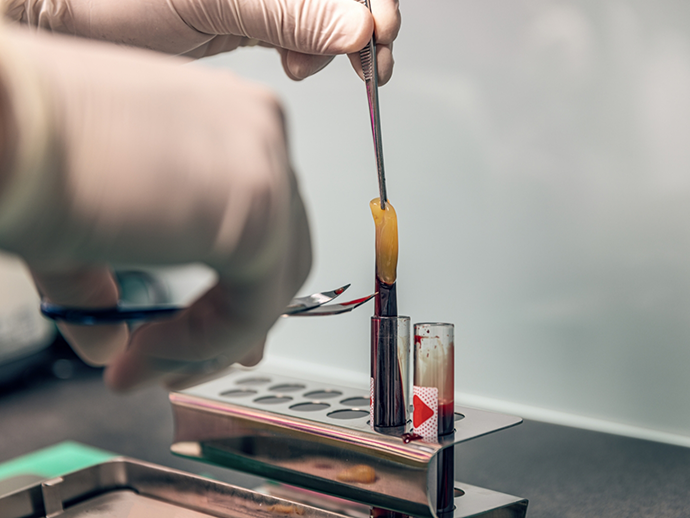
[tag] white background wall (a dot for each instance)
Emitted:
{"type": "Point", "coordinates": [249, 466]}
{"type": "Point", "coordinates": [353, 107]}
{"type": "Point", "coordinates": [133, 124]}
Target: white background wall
{"type": "Point", "coordinates": [538, 155]}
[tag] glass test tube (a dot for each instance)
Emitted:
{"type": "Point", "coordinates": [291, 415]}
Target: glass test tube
{"type": "Point", "coordinates": [390, 373]}
{"type": "Point", "coordinates": [434, 379]}
{"type": "Point", "coordinates": [434, 400]}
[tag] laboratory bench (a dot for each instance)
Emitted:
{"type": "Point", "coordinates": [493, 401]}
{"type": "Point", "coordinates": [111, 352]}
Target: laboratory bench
{"type": "Point", "coordinates": [564, 472]}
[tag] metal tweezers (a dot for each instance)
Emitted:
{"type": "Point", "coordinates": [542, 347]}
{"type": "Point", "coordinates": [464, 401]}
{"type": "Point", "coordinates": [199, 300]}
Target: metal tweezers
{"type": "Point", "coordinates": [368, 58]}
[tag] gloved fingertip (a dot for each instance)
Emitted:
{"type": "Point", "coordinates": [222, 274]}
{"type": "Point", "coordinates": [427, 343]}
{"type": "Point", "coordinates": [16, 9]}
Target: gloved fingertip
{"type": "Point", "coordinates": [361, 39]}
{"type": "Point", "coordinates": [388, 20]}
{"type": "Point", "coordinates": [128, 372]}
{"type": "Point", "coordinates": [96, 345]}
{"type": "Point", "coordinates": [355, 29]}
{"type": "Point", "coordinates": [385, 75]}
{"type": "Point", "coordinates": [302, 66]}
{"type": "Point", "coordinates": [286, 67]}
{"type": "Point", "coordinates": [356, 64]}
{"type": "Point", "coordinates": [253, 357]}
{"type": "Point", "coordinates": [114, 382]}
{"type": "Point", "coordinates": [385, 63]}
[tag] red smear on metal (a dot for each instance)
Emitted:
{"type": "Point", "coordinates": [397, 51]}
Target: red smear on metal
{"type": "Point", "coordinates": [409, 437]}
{"type": "Point", "coordinates": [357, 301]}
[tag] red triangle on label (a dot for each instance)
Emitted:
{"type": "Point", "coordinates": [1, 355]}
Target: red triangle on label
{"type": "Point", "coordinates": [421, 411]}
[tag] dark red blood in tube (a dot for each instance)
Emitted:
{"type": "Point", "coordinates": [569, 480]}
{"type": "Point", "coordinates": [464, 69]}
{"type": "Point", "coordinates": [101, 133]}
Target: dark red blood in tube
{"type": "Point", "coordinates": [386, 301]}
{"type": "Point", "coordinates": [446, 417]}
{"type": "Point", "coordinates": [389, 415]}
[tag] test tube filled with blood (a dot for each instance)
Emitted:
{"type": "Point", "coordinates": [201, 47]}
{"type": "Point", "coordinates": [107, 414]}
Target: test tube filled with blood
{"type": "Point", "coordinates": [433, 400]}
{"type": "Point", "coordinates": [390, 372]}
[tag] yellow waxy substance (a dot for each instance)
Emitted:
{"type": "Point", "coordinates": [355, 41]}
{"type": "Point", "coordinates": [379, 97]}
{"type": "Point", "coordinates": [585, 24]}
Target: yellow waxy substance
{"type": "Point", "coordinates": [386, 222]}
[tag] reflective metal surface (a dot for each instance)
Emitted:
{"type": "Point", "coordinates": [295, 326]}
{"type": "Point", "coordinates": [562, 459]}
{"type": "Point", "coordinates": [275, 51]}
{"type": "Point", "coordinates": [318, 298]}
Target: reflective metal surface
{"type": "Point", "coordinates": [220, 422]}
{"type": "Point", "coordinates": [126, 488]}
{"type": "Point", "coordinates": [299, 304]}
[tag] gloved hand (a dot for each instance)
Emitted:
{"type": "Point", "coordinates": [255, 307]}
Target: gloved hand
{"type": "Point", "coordinates": [308, 33]}
{"type": "Point", "coordinates": [121, 156]}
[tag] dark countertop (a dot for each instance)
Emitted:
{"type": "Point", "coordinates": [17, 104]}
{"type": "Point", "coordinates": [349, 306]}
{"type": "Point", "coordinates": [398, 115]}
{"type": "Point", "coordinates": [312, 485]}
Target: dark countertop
{"type": "Point", "coordinates": [564, 472]}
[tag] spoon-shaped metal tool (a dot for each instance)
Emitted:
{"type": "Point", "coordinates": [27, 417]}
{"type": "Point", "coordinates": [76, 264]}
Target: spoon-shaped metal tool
{"type": "Point", "coordinates": [302, 304]}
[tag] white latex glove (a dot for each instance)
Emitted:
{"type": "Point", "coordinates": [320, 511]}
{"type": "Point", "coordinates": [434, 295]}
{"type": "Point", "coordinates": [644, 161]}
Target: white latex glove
{"type": "Point", "coordinates": [124, 156]}
{"type": "Point", "coordinates": [308, 33]}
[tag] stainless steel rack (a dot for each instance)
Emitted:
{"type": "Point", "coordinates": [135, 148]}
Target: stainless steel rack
{"type": "Point", "coordinates": [317, 436]}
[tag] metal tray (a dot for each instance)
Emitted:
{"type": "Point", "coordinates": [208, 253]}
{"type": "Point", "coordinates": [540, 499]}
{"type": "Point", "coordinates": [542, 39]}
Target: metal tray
{"type": "Point", "coordinates": [127, 488]}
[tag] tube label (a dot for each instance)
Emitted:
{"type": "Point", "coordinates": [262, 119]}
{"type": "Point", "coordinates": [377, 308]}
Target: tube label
{"type": "Point", "coordinates": [425, 416]}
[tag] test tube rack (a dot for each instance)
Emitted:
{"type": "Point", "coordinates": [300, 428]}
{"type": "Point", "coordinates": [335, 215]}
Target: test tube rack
{"type": "Point", "coordinates": [311, 435]}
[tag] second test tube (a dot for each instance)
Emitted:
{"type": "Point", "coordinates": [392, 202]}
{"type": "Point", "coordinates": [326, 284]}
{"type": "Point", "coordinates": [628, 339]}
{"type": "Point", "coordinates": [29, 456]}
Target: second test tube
{"type": "Point", "coordinates": [434, 400]}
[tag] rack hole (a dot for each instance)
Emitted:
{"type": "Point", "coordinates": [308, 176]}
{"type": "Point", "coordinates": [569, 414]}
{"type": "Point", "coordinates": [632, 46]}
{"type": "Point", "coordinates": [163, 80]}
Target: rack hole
{"type": "Point", "coordinates": [348, 413]}
{"type": "Point", "coordinates": [287, 387]}
{"type": "Point", "coordinates": [309, 407]}
{"type": "Point", "coordinates": [323, 394]}
{"type": "Point", "coordinates": [253, 381]}
{"type": "Point", "coordinates": [356, 401]}
{"type": "Point", "coordinates": [238, 393]}
{"type": "Point", "coordinates": [272, 400]}
{"type": "Point", "coordinates": [458, 416]}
